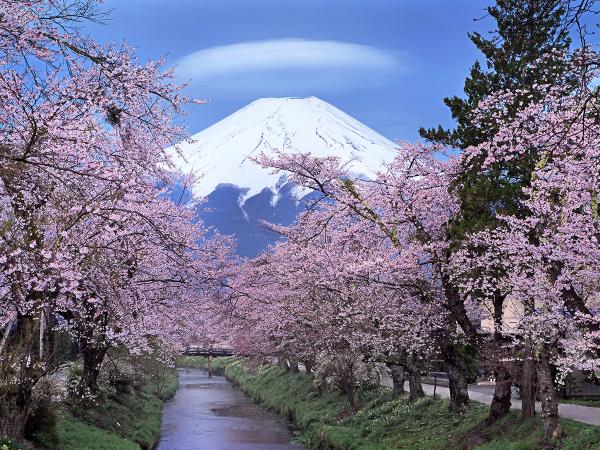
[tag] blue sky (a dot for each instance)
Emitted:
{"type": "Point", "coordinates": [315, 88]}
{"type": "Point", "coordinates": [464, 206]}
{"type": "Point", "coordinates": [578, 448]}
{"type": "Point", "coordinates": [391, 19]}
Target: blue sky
{"type": "Point", "coordinates": [388, 63]}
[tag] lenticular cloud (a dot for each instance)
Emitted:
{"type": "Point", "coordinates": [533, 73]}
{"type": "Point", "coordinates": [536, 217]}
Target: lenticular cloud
{"type": "Point", "coordinates": [277, 54]}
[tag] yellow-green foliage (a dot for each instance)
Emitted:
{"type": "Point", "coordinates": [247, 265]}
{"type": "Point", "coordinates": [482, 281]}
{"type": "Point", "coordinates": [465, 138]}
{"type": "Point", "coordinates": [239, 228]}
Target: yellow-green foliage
{"type": "Point", "coordinates": [9, 444]}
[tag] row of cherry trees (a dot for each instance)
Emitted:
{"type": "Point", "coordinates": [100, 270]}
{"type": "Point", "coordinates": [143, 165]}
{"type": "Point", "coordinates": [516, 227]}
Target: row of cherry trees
{"type": "Point", "coordinates": [370, 272]}
{"type": "Point", "coordinates": [91, 246]}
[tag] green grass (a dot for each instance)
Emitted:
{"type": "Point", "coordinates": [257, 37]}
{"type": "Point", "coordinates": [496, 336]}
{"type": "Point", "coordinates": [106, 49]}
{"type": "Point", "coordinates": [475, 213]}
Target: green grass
{"type": "Point", "coordinates": [593, 402]}
{"type": "Point", "coordinates": [384, 422]}
{"type": "Point", "coordinates": [130, 418]}
{"type": "Point", "coordinates": [76, 435]}
{"type": "Point", "coordinates": [135, 415]}
{"type": "Point", "coordinates": [517, 435]}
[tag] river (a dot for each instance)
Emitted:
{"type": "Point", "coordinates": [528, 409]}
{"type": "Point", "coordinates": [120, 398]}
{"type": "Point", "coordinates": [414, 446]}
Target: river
{"type": "Point", "coordinates": [209, 413]}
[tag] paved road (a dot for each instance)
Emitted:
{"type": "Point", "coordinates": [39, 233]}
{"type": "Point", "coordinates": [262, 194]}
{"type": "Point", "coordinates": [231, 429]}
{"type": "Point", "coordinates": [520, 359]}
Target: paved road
{"type": "Point", "coordinates": [484, 394]}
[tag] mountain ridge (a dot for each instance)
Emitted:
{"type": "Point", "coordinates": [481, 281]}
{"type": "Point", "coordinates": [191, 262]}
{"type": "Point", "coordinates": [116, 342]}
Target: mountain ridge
{"type": "Point", "coordinates": [222, 153]}
{"type": "Point", "coordinates": [239, 194]}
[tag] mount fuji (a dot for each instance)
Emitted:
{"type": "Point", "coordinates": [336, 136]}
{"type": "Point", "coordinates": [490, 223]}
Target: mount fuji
{"type": "Point", "coordinates": [240, 194]}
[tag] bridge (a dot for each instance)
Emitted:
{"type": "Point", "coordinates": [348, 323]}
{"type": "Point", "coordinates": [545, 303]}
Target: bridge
{"type": "Point", "coordinates": [195, 350]}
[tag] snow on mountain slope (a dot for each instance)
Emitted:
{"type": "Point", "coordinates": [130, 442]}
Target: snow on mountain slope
{"type": "Point", "coordinates": [221, 154]}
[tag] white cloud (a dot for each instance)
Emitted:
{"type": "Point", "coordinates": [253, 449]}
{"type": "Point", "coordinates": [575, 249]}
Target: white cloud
{"type": "Point", "coordinates": [285, 54]}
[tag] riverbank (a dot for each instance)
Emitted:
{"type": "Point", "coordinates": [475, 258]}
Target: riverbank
{"type": "Point", "coordinates": [384, 422]}
{"type": "Point", "coordinates": [126, 414]}
{"type": "Point", "coordinates": [125, 420]}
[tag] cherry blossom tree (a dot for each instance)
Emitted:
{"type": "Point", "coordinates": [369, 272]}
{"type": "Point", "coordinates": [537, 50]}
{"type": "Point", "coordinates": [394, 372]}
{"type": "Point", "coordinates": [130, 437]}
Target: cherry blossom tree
{"type": "Point", "coordinates": [321, 297]}
{"type": "Point", "coordinates": [550, 256]}
{"type": "Point", "coordinates": [410, 204]}
{"type": "Point", "coordinates": [89, 242]}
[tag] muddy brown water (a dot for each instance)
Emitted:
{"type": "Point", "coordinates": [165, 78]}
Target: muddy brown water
{"type": "Point", "coordinates": [209, 413]}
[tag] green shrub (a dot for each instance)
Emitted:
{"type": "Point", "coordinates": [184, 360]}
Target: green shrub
{"type": "Point", "coordinates": [42, 421]}
{"type": "Point", "coordinates": [9, 444]}
{"type": "Point", "coordinates": [125, 413]}
{"type": "Point", "coordinates": [134, 414]}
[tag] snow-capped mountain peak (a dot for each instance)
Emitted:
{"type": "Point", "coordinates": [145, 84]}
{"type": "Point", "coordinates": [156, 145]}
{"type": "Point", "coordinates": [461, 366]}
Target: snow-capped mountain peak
{"type": "Point", "coordinates": [222, 153]}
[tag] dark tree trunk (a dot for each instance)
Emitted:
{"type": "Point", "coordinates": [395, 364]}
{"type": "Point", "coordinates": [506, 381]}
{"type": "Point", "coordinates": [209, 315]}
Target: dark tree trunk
{"type": "Point", "coordinates": [397, 379]}
{"type": "Point", "coordinates": [454, 359]}
{"type": "Point", "coordinates": [282, 362]}
{"type": "Point", "coordinates": [502, 394]}
{"type": "Point", "coordinates": [308, 367]}
{"type": "Point", "coordinates": [19, 364]}
{"type": "Point", "coordinates": [502, 370]}
{"type": "Point", "coordinates": [294, 366]}
{"type": "Point", "coordinates": [548, 398]}
{"type": "Point", "coordinates": [92, 362]}
{"type": "Point", "coordinates": [528, 373]}
{"type": "Point", "coordinates": [415, 388]}
{"type": "Point", "coordinates": [319, 383]}
{"type": "Point", "coordinates": [14, 415]}
{"type": "Point", "coordinates": [49, 339]}
{"type": "Point", "coordinates": [528, 389]}
{"type": "Point", "coordinates": [346, 381]}
{"type": "Point", "coordinates": [457, 376]}
{"type": "Point", "coordinates": [348, 387]}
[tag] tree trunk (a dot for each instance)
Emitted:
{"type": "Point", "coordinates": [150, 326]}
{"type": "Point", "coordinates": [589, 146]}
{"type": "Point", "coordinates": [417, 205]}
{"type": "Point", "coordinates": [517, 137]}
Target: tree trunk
{"type": "Point", "coordinates": [293, 364]}
{"type": "Point", "coordinates": [502, 371]}
{"type": "Point", "coordinates": [319, 383]}
{"type": "Point", "coordinates": [308, 367]}
{"type": "Point", "coordinates": [42, 334]}
{"type": "Point", "coordinates": [528, 376]}
{"type": "Point", "coordinates": [457, 376]}
{"type": "Point", "coordinates": [548, 398]}
{"type": "Point", "coordinates": [92, 362]}
{"type": "Point", "coordinates": [6, 333]}
{"type": "Point", "coordinates": [282, 362]}
{"type": "Point", "coordinates": [19, 373]}
{"type": "Point", "coordinates": [397, 379]}
{"type": "Point", "coordinates": [49, 338]}
{"type": "Point", "coordinates": [454, 359]}
{"type": "Point", "coordinates": [346, 380]}
{"type": "Point", "coordinates": [14, 412]}
{"type": "Point", "coordinates": [348, 386]}
{"type": "Point", "coordinates": [414, 385]}
{"type": "Point", "coordinates": [415, 388]}
{"type": "Point", "coordinates": [502, 394]}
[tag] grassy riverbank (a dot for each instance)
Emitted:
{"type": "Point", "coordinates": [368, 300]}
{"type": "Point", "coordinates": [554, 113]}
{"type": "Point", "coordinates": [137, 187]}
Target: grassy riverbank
{"type": "Point", "coordinates": [126, 420]}
{"type": "Point", "coordinates": [126, 417]}
{"type": "Point", "coordinates": [383, 422]}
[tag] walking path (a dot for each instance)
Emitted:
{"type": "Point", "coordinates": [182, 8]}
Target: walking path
{"type": "Point", "coordinates": [485, 394]}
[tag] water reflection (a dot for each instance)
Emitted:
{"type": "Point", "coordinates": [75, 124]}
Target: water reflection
{"type": "Point", "coordinates": [210, 414]}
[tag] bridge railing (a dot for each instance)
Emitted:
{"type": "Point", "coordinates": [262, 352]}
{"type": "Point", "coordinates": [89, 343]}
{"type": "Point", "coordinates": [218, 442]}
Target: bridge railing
{"type": "Point", "coordinates": [202, 351]}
